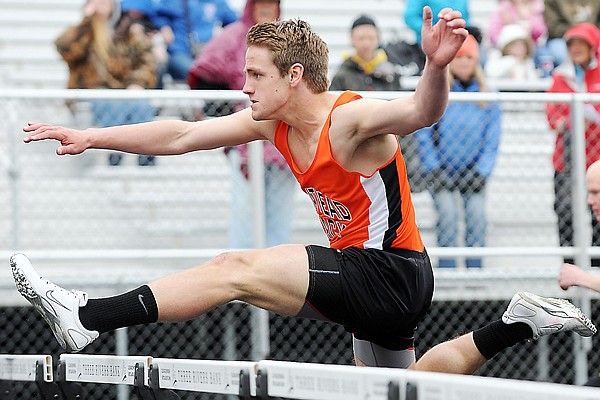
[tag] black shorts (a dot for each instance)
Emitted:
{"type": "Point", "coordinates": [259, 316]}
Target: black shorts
{"type": "Point", "coordinates": [380, 296]}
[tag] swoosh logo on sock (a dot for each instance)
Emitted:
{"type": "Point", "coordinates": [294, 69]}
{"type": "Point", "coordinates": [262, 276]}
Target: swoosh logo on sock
{"type": "Point", "coordinates": [141, 299]}
{"type": "Point", "coordinates": [50, 296]}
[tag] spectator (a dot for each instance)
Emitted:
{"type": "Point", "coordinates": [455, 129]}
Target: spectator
{"type": "Point", "coordinates": [187, 25]}
{"type": "Point", "coordinates": [529, 14]}
{"type": "Point", "coordinates": [143, 13]}
{"type": "Point", "coordinates": [221, 66]}
{"type": "Point", "coordinates": [458, 155]}
{"type": "Point", "coordinates": [101, 55]}
{"type": "Point", "coordinates": [560, 15]}
{"type": "Point", "coordinates": [413, 12]}
{"type": "Point", "coordinates": [513, 59]}
{"type": "Point", "coordinates": [578, 73]}
{"type": "Point", "coordinates": [571, 275]}
{"type": "Point", "coordinates": [367, 68]}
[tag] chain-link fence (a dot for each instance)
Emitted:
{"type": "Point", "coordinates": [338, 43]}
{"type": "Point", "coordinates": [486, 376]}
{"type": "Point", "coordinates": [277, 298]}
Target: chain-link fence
{"type": "Point", "coordinates": [90, 223]}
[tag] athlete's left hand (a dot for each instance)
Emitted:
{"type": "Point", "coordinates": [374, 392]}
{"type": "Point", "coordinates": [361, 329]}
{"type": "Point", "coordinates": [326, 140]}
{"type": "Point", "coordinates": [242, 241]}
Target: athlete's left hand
{"type": "Point", "coordinates": [441, 41]}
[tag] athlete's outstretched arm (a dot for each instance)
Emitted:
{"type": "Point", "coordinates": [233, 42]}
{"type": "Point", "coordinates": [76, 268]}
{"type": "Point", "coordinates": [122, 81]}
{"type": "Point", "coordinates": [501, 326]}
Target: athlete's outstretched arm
{"type": "Point", "coordinates": [156, 137]}
{"type": "Point", "coordinates": [427, 105]}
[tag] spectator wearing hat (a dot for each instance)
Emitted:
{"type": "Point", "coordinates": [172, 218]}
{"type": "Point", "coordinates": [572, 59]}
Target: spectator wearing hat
{"type": "Point", "coordinates": [513, 59]}
{"type": "Point", "coordinates": [458, 155]}
{"type": "Point", "coordinates": [529, 14]}
{"type": "Point", "coordinates": [560, 16]}
{"type": "Point", "coordinates": [579, 73]}
{"type": "Point", "coordinates": [367, 67]}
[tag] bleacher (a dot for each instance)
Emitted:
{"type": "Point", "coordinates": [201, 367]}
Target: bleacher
{"type": "Point", "coordinates": [28, 29]}
{"type": "Point", "coordinates": [28, 60]}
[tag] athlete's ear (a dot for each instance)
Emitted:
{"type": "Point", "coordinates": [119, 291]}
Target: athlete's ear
{"type": "Point", "coordinates": [296, 73]}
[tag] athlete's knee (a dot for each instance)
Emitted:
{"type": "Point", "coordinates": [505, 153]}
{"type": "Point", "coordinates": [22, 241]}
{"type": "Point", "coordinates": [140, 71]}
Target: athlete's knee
{"type": "Point", "coordinates": [238, 266]}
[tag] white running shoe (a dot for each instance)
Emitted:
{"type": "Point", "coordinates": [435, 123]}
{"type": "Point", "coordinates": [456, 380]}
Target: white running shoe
{"type": "Point", "coordinates": [546, 315]}
{"type": "Point", "coordinates": [58, 306]}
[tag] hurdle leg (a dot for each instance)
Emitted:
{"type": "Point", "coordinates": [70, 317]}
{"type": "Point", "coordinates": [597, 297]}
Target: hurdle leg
{"type": "Point", "coordinates": [68, 390]}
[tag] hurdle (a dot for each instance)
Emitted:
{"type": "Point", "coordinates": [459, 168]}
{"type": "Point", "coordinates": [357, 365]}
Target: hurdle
{"type": "Point", "coordinates": [74, 369]}
{"type": "Point", "coordinates": [338, 382]}
{"type": "Point", "coordinates": [209, 376]}
{"type": "Point", "coordinates": [158, 378]}
{"type": "Point", "coordinates": [27, 368]}
{"type": "Point", "coordinates": [325, 382]}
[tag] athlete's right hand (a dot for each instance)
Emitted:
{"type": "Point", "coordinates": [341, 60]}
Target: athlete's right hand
{"type": "Point", "coordinates": [72, 141]}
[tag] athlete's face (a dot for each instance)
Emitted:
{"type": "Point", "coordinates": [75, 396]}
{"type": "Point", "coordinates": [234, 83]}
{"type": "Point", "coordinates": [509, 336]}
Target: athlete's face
{"type": "Point", "coordinates": [265, 87]}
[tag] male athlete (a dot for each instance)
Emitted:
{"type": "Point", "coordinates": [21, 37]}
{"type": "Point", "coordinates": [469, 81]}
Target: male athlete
{"type": "Point", "coordinates": [375, 278]}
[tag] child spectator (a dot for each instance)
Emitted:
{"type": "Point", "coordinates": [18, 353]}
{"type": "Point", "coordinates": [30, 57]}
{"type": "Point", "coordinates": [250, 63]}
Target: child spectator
{"type": "Point", "coordinates": [527, 13]}
{"type": "Point", "coordinates": [367, 68]}
{"type": "Point", "coordinates": [513, 59]}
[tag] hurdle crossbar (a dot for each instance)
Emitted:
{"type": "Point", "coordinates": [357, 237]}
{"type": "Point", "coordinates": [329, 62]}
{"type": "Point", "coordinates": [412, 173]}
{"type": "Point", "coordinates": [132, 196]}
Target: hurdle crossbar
{"type": "Point", "coordinates": [337, 382]}
{"type": "Point", "coordinates": [23, 367]}
{"type": "Point", "coordinates": [212, 376]}
{"type": "Point", "coordinates": [29, 368]}
{"type": "Point", "coordinates": [438, 386]}
{"type": "Point", "coordinates": [103, 368]}
{"type": "Point", "coordinates": [323, 382]}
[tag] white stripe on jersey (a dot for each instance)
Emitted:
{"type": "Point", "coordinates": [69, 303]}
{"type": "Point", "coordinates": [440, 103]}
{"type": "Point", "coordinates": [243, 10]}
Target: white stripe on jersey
{"type": "Point", "coordinates": [378, 210]}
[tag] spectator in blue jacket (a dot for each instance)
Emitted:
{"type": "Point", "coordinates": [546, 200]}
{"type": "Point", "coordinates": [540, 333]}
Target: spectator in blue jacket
{"type": "Point", "coordinates": [186, 26]}
{"type": "Point", "coordinates": [458, 155]}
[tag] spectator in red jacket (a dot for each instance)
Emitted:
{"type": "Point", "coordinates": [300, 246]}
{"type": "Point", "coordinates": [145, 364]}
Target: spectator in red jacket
{"type": "Point", "coordinates": [578, 73]}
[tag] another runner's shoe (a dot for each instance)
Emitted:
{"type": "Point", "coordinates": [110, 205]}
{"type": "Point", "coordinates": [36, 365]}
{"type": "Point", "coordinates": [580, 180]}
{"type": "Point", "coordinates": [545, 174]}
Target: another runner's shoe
{"type": "Point", "coordinates": [547, 315]}
{"type": "Point", "coordinates": [59, 307]}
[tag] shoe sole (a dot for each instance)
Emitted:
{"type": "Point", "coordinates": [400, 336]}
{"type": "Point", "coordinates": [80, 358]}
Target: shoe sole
{"type": "Point", "coordinates": [26, 289]}
{"type": "Point", "coordinates": [588, 329]}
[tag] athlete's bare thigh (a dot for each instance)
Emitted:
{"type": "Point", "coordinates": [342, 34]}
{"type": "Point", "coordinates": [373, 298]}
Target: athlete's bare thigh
{"type": "Point", "coordinates": [279, 278]}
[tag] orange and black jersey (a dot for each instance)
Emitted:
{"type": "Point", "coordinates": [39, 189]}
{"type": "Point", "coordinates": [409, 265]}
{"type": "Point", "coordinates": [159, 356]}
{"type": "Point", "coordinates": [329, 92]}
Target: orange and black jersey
{"type": "Point", "coordinates": [356, 210]}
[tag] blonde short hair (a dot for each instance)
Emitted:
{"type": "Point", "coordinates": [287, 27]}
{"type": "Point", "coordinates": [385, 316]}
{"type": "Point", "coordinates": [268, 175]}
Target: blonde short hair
{"type": "Point", "coordinates": [291, 42]}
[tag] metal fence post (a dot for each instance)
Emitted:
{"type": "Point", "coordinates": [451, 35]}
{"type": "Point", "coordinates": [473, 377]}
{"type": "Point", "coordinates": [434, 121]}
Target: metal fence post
{"type": "Point", "coordinates": [580, 226]}
{"type": "Point", "coordinates": [122, 349]}
{"type": "Point", "coordinates": [11, 165]}
{"type": "Point", "coordinates": [260, 318]}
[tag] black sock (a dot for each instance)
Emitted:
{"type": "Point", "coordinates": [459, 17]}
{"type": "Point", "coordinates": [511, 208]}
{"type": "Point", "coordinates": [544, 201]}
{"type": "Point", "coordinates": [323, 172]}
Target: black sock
{"type": "Point", "coordinates": [497, 336]}
{"type": "Point", "coordinates": [132, 308]}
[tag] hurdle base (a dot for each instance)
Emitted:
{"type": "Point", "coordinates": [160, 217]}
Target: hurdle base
{"type": "Point", "coordinates": [152, 391]}
{"type": "Point", "coordinates": [69, 390]}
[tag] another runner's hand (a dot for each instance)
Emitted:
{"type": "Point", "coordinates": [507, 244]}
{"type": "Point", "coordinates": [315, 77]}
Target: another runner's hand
{"type": "Point", "coordinates": [72, 141]}
{"type": "Point", "coordinates": [441, 41]}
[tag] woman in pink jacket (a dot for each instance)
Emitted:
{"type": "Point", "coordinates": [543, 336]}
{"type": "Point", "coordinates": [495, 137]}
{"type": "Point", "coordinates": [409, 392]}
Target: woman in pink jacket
{"type": "Point", "coordinates": [220, 65]}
